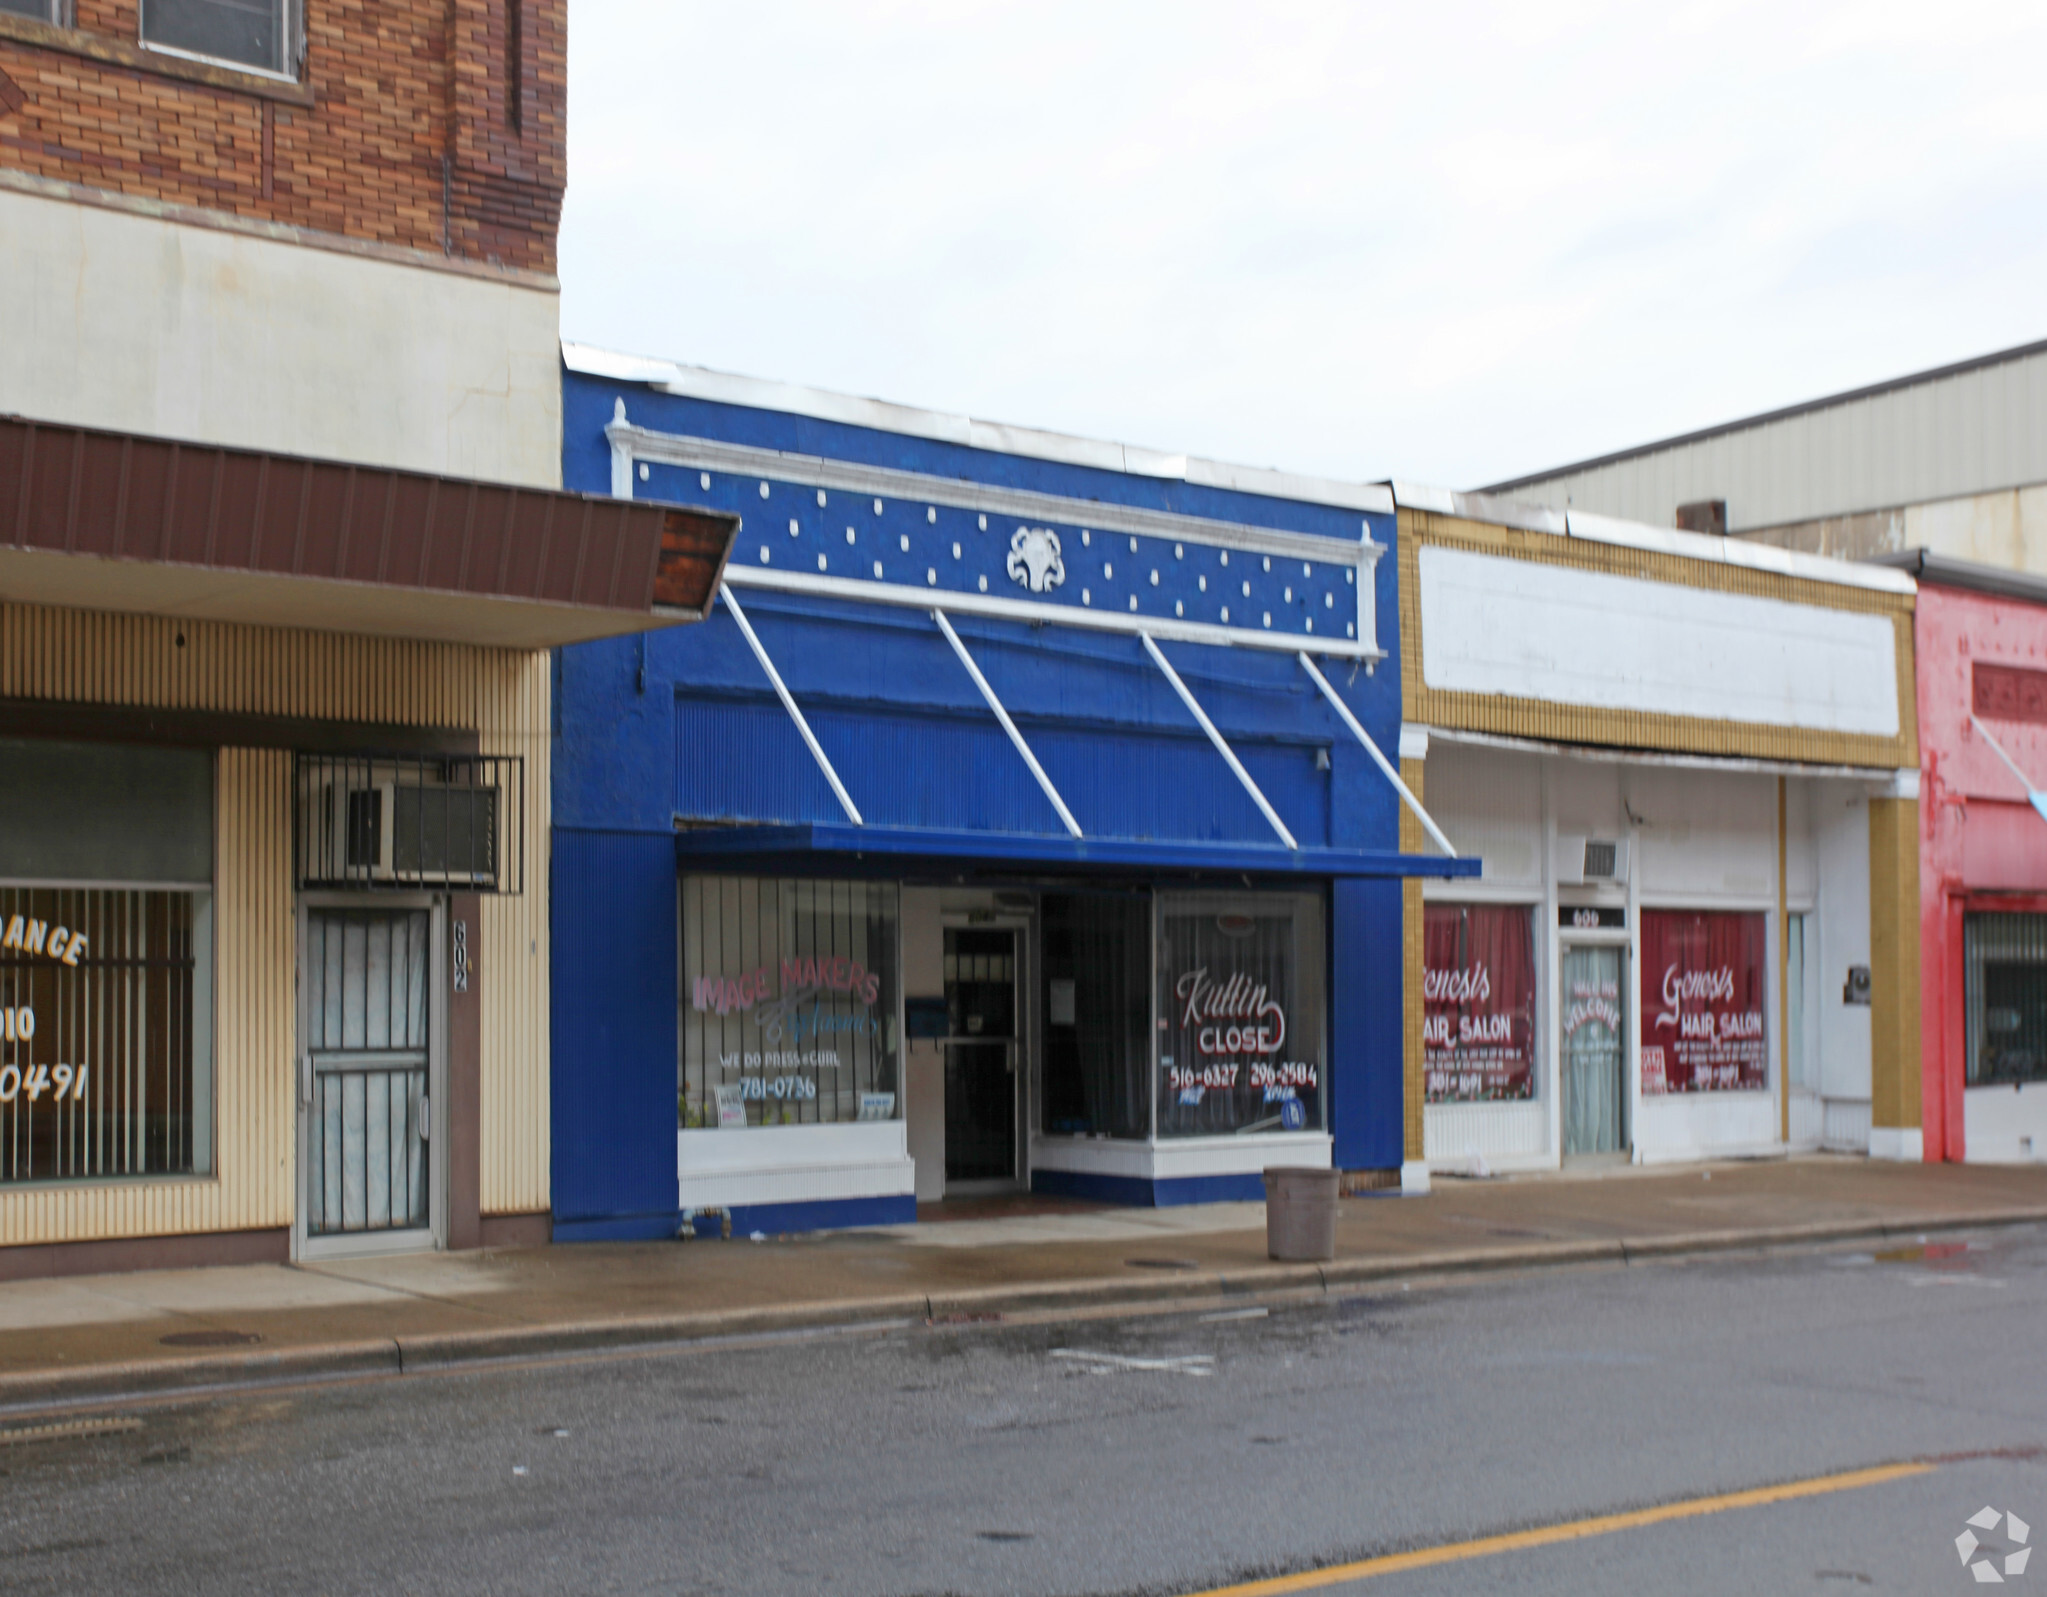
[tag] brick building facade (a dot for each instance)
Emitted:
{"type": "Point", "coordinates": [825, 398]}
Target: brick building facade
{"type": "Point", "coordinates": [321, 227]}
{"type": "Point", "coordinates": [280, 571]}
{"type": "Point", "coordinates": [434, 125]}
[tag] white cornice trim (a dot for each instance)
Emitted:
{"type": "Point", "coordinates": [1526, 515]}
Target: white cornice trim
{"type": "Point", "coordinates": [812, 471]}
{"type": "Point", "coordinates": [1890, 780]}
{"type": "Point", "coordinates": [1734, 551]}
{"type": "Point", "coordinates": [699, 382]}
{"type": "Point", "coordinates": [1001, 609]}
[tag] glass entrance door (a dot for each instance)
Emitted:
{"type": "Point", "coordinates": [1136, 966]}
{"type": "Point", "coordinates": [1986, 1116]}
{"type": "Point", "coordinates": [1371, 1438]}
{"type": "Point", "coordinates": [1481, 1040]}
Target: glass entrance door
{"type": "Point", "coordinates": [980, 1056]}
{"type": "Point", "coordinates": [1595, 1094]}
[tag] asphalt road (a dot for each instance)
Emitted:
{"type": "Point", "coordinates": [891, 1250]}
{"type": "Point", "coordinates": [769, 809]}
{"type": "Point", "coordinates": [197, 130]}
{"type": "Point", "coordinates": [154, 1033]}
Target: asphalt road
{"type": "Point", "coordinates": [1171, 1453]}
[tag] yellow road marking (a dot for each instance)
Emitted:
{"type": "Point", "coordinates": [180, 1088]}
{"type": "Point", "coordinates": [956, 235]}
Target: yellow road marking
{"type": "Point", "coordinates": [1570, 1531]}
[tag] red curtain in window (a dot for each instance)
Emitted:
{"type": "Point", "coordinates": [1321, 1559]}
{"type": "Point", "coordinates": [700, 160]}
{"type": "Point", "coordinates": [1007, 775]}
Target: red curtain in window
{"type": "Point", "coordinates": [1478, 1002]}
{"type": "Point", "coordinates": [1702, 1002]}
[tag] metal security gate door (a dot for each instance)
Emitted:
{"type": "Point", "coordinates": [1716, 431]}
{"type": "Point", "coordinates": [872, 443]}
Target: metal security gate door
{"type": "Point", "coordinates": [367, 1077]}
{"type": "Point", "coordinates": [1595, 1082]}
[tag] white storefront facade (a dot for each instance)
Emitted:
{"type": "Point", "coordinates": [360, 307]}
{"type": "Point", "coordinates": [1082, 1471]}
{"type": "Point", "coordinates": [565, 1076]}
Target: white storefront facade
{"type": "Point", "coordinates": [1684, 765]}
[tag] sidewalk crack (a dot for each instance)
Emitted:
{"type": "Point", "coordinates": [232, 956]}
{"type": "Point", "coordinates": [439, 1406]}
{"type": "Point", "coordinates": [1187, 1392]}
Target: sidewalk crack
{"type": "Point", "coordinates": [395, 1291]}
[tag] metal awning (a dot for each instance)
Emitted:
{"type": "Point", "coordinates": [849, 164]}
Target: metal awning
{"type": "Point", "coordinates": [882, 850]}
{"type": "Point", "coordinates": [110, 521]}
{"type": "Point", "coordinates": [1037, 770]}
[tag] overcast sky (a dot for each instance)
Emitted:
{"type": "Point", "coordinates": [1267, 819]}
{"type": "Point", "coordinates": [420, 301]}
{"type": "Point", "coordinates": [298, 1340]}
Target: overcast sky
{"type": "Point", "coordinates": [1445, 242]}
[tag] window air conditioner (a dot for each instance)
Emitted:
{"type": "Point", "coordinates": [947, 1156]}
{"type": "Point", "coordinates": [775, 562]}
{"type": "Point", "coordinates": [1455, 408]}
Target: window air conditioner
{"type": "Point", "coordinates": [1591, 860]}
{"type": "Point", "coordinates": [400, 832]}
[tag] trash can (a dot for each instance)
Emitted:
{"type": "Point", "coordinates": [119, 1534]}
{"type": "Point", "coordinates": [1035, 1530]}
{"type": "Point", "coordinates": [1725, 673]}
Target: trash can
{"type": "Point", "coordinates": [1300, 1212]}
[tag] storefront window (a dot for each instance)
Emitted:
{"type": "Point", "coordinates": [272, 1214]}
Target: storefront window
{"type": "Point", "coordinates": [106, 860]}
{"type": "Point", "coordinates": [1097, 1008]}
{"type": "Point", "coordinates": [1702, 1002]}
{"type": "Point", "coordinates": [788, 1003]}
{"type": "Point", "coordinates": [1478, 1002]}
{"type": "Point", "coordinates": [1239, 1014]}
{"type": "Point", "coordinates": [2005, 981]}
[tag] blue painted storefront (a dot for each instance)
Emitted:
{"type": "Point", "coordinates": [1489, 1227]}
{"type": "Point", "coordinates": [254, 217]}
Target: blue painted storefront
{"type": "Point", "coordinates": [672, 752]}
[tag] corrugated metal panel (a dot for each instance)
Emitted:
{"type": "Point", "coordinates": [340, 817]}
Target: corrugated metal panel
{"type": "Point", "coordinates": [1965, 432]}
{"type": "Point", "coordinates": [933, 770]}
{"type": "Point", "coordinates": [256, 1022]}
{"type": "Point", "coordinates": [1491, 1131]}
{"type": "Point", "coordinates": [253, 1026]}
{"type": "Point", "coordinates": [1158, 785]}
{"type": "Point", "coordinates": [79, 491]}
{"type": "Point", "coordinates": [773, 779]}
{"type": "Point", "coordinates": [1844, 1124]}
{"type": "Point", "coordinates": [82, 657]}
{"type": "Point", "coordinates": [962, 772]}
{"type": "Point", "coordinates": [516, 1141]}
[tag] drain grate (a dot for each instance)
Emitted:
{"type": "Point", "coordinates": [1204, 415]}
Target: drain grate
{"type": "Point", "coordinates": [209, 1338]}
{"type": "Point", "coordinates": [1163, 1264]}
{"type": "Point", "coordinates": [60, 1430]}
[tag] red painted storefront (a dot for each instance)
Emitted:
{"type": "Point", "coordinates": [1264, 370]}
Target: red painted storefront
{"type": "Point", "coordinates": [1981, 642]}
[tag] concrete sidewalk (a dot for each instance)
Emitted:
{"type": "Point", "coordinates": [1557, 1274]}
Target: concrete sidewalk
{"type": "Point", "coordinates": [88, 1336]}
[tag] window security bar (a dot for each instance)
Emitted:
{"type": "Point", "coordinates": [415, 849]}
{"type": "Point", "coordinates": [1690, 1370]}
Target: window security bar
{"type": "Point", "coordinates": [1229, 755]}
{"type": "Point", "coordinates": [1009, 726]}
{"type": "Point", "coordinates": [810, 742]}
{"type": "Point", "coordinates": [403, 822]}
{"type": "Point", "coordinates": [1392, 773]}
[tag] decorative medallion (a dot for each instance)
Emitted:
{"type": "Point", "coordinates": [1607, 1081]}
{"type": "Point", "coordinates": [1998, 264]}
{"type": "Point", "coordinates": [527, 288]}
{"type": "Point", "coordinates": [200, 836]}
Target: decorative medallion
{"type": "Point", "coordinates": [1034, 560]}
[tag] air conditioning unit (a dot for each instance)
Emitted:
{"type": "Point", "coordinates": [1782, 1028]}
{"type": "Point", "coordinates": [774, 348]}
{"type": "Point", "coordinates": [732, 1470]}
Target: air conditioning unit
{"type": "Point", "coordinates": [1591, 861]}
{"type": "Point", "coordinates": [396, 833]}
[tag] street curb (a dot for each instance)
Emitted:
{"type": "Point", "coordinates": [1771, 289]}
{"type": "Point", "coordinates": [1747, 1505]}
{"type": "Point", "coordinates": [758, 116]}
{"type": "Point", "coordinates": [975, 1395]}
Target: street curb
{"type": "Point", "coordinates": [447, 1349]}
{"type": "Point", "coordinates": [442, 1351]}
{"type": "Point", "coordinates": [27, 1389]}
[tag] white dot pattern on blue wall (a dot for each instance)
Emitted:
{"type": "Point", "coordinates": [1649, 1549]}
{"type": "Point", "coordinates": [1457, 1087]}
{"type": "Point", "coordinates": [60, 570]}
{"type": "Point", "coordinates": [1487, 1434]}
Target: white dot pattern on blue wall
{"type": "Point", "coordinates": [1021, 568]}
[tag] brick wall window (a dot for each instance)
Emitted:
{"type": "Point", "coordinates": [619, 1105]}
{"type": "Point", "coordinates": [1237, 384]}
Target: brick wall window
{"type": "Point", "coordinates": [57, 11]}
{"type": "Point", "coordinates": [249, 33]}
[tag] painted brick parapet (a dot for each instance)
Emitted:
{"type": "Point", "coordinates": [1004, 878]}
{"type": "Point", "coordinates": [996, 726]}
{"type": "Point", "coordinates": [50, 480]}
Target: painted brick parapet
{"type": "Point", "coordinates": [431, 125]}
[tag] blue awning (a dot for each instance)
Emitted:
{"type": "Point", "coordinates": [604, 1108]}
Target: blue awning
{"type": "Point", "coordinates": [886, 851]}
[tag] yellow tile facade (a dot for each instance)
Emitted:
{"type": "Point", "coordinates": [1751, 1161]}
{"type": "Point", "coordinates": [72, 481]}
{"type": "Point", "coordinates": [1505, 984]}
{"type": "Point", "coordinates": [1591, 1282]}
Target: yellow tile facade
{"type": "Point", "coordinates": [1507, 716]}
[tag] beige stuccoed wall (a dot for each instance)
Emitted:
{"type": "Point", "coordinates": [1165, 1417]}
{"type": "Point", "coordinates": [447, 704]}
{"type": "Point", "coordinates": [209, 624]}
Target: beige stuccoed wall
{"type": "Point", "coordinates": [79, 657]}
{"type": "Point", "coordinates": [119, 319]}
{"type": "Point", "coordinates": [2007, 528]}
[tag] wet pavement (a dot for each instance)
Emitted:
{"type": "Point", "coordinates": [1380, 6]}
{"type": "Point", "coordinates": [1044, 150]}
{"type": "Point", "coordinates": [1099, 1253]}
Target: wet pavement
{"type": "Point", "coordinates": [1176, 1451]}
{"type": "Point", "coordinates": [1061, 1255]}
